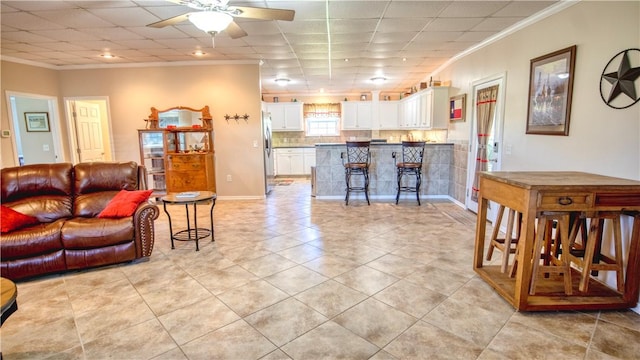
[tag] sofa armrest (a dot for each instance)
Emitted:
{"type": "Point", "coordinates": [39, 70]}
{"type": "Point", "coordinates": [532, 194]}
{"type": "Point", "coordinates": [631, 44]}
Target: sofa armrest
{"type": "Point", "coordinates": [144, 229]}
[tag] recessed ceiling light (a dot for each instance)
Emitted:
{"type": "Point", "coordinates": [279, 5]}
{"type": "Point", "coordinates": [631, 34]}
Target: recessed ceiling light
{"type": "Point", "coordinates": [282, 81]}
{"type": "Point", "coordinates": [404, 59]}
{"type": "Point", "coordinates": [108, 56]}
{"type": "Point", "coordinates": [378, 80]}
{"type": "Point", "coordinates": [199, 53]}
{"type": "Point", "coordinates": [346, 60]}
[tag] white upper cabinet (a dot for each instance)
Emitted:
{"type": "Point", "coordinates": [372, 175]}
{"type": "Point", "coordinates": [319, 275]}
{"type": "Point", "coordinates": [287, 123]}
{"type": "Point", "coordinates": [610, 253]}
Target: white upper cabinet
{"type": "Point", "coordinates": [388, 115]}
{"type": "Point", "coordinates": [357, 115]}
{"type": "Point", "coordinates": [286, 116]}
{"type": "Point", "coordinates": [427, 109]}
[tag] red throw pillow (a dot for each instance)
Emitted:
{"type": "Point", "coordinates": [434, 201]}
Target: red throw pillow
{"type": "Point", "coordinates": [125, 203]}
{"type": "Point", "coordinates": [12, 220]}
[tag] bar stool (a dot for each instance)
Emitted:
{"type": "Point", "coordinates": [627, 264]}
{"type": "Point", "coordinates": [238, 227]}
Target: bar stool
{"type": "Point", "coordinates": [553, 261]}
{"type": "Point", "coordinates": [356, 161]}
{"type": "Point", "coordinates": [590, 258]}
{"type": "Point", "coordinates": [508, 244]}
{"type": "Point", "coordinates": [411, 164]}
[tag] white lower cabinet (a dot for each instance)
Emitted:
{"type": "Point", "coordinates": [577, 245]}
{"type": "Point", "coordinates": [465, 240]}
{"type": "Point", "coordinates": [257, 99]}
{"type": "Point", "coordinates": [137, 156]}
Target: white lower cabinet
{"type": "Point", "coordinates": [294, 161]}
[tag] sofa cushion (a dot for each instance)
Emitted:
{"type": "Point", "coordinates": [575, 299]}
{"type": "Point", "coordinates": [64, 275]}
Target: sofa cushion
{"type": "Point", "coordinates": [32, 241]}
{"type": "Point", "coordinates": [88, 233]}
{"type": "Point", "coordinates": [41, 190]}
{"type": "Point", "coordinates": [96, 183]}
{"type": "Point", "coordinates": [125, 203]}
{"type": "Point", "coordinates": [12, 220]}
{"type": "Point", "coordinates": [32, 266]}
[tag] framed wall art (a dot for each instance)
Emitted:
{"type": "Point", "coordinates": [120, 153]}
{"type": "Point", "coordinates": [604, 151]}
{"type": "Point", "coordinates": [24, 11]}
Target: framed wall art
{"type": "Point", "coordinates": [550, 90]}
{"type": "Point", "coordinates": [457, 105]}
{"type": "Point", "coordinates": [37, 121]}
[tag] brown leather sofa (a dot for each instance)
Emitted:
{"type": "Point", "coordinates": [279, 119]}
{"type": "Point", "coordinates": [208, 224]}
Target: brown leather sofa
{"type": "Point", "coordinates": [66, 200]}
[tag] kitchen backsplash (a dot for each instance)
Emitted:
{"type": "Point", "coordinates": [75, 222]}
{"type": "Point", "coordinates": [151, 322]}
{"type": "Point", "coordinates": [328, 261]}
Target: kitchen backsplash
{"type": "Point", "coordinates": [295, 138]}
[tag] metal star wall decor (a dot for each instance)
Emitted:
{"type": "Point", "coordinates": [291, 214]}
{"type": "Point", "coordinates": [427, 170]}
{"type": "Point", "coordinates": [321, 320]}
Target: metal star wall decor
{"type": "Point", "coordinates": [621, 81]}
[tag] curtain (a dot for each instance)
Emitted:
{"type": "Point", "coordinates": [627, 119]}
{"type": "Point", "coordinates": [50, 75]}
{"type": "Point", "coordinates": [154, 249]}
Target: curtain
{"type": "Point", "coordinates": [321, 110]}
{"type": "Point", "coordinates": [485, 106]}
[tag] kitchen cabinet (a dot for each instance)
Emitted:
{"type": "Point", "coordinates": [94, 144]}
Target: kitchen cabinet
{"type": "Point", "coordinates": [357, 115]}
{"type": "Point", "coordinates": [189, 159]}
{"type": "Point", "coordinates": [388, 115]}
{"type": "Point", "coordinates": [309, 160]}
{"type": "Point", "coordinates": [152, 157]}
{"type": "Point", "coordinates": [286, 116]}
{"type": "Point", "coordinates": [427, 109]}
{"type": "Point", "coordinates": [294, 161]}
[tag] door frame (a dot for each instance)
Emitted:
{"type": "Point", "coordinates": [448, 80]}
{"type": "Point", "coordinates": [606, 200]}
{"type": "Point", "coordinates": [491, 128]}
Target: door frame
{"type": "Point", "coordinates": [54, 122]}
{"type": "Point", "coordinates": [103, 101]}
{"type": "Point", "coordinates": [499, 79]}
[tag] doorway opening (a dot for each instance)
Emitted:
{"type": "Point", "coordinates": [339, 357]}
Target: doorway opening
{"type": "Point", "coordinates": [42, 144]}
{"type": "Point", "coordinates": [89, 124]}
{"type": "Point", "coordinates": [490, 142]}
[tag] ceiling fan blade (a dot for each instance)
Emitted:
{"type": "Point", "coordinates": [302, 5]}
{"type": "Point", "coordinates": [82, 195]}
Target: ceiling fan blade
{"type": "Point", "coordinates": [170, 21]}
{"type": "Point", "coordinates": [235, 31]}
{"type": "Point", "coordinates": [263, 13]}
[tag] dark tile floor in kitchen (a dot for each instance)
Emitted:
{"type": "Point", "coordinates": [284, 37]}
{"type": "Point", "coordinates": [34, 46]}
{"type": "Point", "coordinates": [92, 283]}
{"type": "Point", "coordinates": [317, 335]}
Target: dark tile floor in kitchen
{"type": "Point", "coordinates": [300, 278]}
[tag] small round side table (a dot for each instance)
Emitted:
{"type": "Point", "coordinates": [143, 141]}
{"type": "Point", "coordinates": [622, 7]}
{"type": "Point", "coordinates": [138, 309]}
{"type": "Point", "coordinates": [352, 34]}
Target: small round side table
{"type": "Point", "coordinates": [194, 198]}
{"type": "Point", "coordinates": [9, 294]}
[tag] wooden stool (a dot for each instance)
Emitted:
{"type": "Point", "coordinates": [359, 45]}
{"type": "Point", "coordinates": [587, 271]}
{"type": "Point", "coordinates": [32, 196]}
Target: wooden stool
{"type": "Point", "coordinates": [553, 261]}
{"type": "Point", "coordinates": [592, 259]}
{"type": "Point", "coordinates": [504, 244]}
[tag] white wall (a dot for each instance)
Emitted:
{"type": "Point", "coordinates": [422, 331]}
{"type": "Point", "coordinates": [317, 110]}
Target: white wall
{"type": "Point", "coordinates": [601, 139]}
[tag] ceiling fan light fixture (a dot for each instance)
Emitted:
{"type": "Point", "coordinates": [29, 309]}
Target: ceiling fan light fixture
{"type": "Point", "coordinates": [211, 22]}
{"type": "Point", "coordinates": [378, 80]}
{"type": "Point", "coordinates": [282, 81]}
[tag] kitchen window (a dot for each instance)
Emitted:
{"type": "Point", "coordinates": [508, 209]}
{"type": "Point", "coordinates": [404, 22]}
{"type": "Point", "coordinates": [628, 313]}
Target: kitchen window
{"type": "Point", "coordinates": [322, 119]}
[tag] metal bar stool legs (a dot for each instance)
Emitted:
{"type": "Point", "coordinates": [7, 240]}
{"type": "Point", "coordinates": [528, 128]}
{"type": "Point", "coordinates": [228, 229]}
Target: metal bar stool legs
{"type": "Point", "coordinates": [356, 162]}
{"type": "Point", "coordinates": [410, 164]}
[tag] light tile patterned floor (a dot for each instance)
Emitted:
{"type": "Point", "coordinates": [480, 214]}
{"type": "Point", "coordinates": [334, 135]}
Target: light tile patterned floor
{"type": "Point", "coordinates": [292, 277]}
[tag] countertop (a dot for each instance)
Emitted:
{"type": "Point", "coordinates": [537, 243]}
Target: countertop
{"type": "Point", "coordinates": [387, 143]}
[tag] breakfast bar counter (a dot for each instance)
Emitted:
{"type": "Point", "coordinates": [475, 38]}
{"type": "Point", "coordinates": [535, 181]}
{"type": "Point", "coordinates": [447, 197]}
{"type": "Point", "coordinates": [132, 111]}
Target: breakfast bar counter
{"type": "Point", "coordinates": [532, 193]}
{"type": "Point", "coordinates": [436, 170]}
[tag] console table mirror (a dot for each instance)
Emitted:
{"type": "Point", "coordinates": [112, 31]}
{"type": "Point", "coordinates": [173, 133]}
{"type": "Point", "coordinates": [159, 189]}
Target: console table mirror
{"type": "Point", "coordinates": [179, 116]}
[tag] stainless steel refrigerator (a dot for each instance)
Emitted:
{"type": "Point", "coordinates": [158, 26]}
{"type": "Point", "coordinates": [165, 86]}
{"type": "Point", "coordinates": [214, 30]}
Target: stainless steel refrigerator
{"type": "Point", "coordinates": [269, 173]}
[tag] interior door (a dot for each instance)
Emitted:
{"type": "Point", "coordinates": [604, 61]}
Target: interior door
{"type": "Point", "coordinates": [88, 131]}
{"type": "Point", "coordinates": [494, 140]}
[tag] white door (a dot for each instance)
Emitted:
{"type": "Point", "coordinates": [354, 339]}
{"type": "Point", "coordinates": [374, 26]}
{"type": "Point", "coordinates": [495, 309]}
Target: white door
{"type": "Point", "coordinates": [494, 140]}
{"type": "Point", "coordinates": [88, 131]}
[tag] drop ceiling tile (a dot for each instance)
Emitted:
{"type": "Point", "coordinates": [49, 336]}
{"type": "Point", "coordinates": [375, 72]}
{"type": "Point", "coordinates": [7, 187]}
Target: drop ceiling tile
{"type": "Point", "coordinates": [141, 32]}
{"type": "Point", "coordinates": [25, 36]}
{"type": "Point", "coordinates": [476, 36]}
{"type": "Point", "coordinates": [437, 36]}
{"type": "Point", "coordinates": [74, 18]}
{"type": "Point", "coordinates": [349, 47]}
{"type": "Point", "coordinates": [309, 48]}
{"type": "Point", "coordinates": [66, 35]}
{"type": "Point", "coordinates": [415, 9]}
{"type": "Point", "coordinates": [37, 5]}
{"type": "Point", "coordinates": [306, 39]}
{"type": "Point", "coordinates": [393, 25]}
{"type": "Point", "coordinates": [125, 16]}
{"type": "Point", "coordinates": [523, 8]}
{"type": "Point", "coordinates": [355, 10]}
{"type": "Point", "coordinates": [266, 40]}
{"type": "Point", "coordinates": [351, 26]}
{"type": "Point", "coordinates": [496, 24]}
{"type": "Point", "coordinates": [386, 47]}
{"type": "Point", "coordinates": [396, 37]}
{"type": "Point", "coordinates": [176, 43]}
{"type": "Point", "coordinates": [351, 38]}
{"type": "Point", "coordinates": [459, 9]}
{"type": "Point", "coordinates": [302, 27]}
{"type": "Point", "coordinates": [453, 24]}
{"type": "Point", "coordinates": [29, 22]}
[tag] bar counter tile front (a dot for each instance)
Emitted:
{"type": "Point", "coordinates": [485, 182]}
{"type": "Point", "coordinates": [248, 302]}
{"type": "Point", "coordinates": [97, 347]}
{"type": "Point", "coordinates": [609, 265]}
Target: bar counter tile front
{"type": "Point", "coordinates": [533, 192]}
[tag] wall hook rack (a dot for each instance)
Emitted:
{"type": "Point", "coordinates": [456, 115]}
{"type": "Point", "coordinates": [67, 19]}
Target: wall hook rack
{"type": "Point", "coordinates": [237, 117]}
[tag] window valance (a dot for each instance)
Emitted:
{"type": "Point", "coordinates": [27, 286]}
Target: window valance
{"type": "Point", "coordinates": [321, 110]}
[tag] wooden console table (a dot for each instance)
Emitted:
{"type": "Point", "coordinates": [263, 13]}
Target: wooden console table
{"type": "Point", "coordinates": [532, 192]}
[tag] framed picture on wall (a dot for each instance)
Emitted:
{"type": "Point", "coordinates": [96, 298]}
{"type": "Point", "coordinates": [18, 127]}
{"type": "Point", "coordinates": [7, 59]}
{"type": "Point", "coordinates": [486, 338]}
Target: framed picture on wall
{"type": "Point", "coordinates": [37, 121]}
{"type": "Point", "coordinates": [550, 90]}
{"type": "Point", "coordinates": [457, 105]}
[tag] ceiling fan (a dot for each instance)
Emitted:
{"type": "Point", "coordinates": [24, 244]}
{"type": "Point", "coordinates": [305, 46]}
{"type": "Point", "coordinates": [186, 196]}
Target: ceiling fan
{"type": "Point", "coordinates": [214, 16]}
